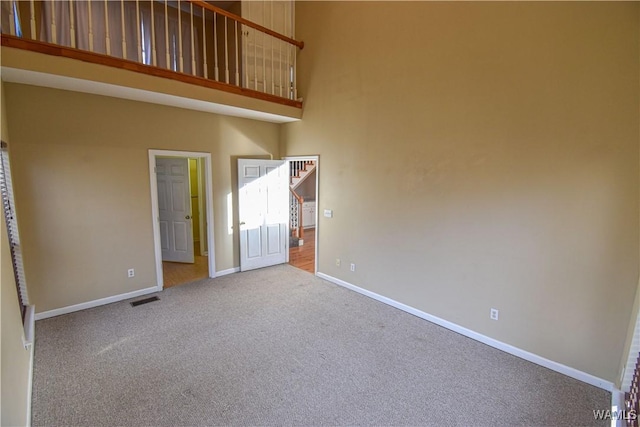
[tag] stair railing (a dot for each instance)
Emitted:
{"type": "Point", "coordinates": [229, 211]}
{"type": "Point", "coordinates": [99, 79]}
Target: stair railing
{"type": "Point", "coordinates": [191, 37]}
{"type": "Point", "coordinates": [632, 397]}
{"type": "Point", "coordinates": [295, 204]}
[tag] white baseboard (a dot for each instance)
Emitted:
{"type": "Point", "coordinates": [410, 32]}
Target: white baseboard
{"type": "Point", "coordinates": [95, 303]}
{"type": "Point", "coordinates": [227, 271]}
{"type": "Point", "coordinates": [523, 354]}
{"type": "Point", "coordinates": [115, 298]}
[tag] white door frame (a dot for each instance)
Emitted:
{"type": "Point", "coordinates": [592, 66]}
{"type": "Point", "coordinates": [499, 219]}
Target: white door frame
{"type": "Point", "coordinates": [317, 160]}
{"type": "Point", "coordinates": [201, 208]}
{"type": "Point", "coordinates": [208, 193]}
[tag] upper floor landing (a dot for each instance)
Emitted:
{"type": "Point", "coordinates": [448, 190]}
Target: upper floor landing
{"type": "Point", "coordinates": [234, 58]}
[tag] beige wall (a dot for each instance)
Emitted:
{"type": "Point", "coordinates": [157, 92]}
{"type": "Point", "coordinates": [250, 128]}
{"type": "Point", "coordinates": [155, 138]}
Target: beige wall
{"type": "Point", "coordinates": [481, 155]}
{"type": "Point", "coordinates": [15, 359]}
{"type": "Point", "coordinates": [82, 186]}
{"type": "Point", "coordinates": [636, 306]}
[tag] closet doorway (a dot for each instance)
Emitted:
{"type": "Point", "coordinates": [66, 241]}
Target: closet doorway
{"type": "Point", "coordinates": [183, 213]}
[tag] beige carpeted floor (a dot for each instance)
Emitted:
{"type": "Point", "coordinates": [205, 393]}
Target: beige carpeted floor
{"type": "Point", "coordinates": [278, 346]}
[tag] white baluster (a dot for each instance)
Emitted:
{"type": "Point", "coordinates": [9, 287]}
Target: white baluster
{"type": "Point", "coordinates": [255, 60]}
{"type": "Point", "coordinates": [54, 35]}
{"type": "Point", "coordinates": [226, 52]}
{"type": "Point", "coordinates": [139, 31]}
{"type": "Point", "coordinates": [295, 72]}
{"type": "Point", "coordinates": [247, 47]}
{"type": "Point", "coordinates": [107, 38]}
{"type": "Point", "coordinates": [180, 37]}
{"type": "Point", "coordinates": [154, 53]}
{"type": "Point", "coordinates": [237, 41]}
{"type": "Point", "coordinates": [72, 25]}
{"type": "Point", "coordinates": [295, 50]}
{"type": "Point", "coordinates": [90, 26]}
{"type": "Point", "coordinates": [245, 54]}
{"type": "Point", "coordinates": [215, 47]}
{"type": "Point", "coordinates": [280, 64]}
{"type": "Point", "coordinates": [204, 43]}
{"type": "Point", "coordinates": [166, 34]}
{"type": "Point", "coordinates": [12, 18]}
{"type": "Point", "coordinates": [264, 63]}
{"type": "Point", "coordinates": [32, 10]}
{"type": "Point", "coordinates": [273, 75]}
{"type": "Point", "coordinates": [264, 46]}
{"type": "Point", "coordinates": [193, 45]}
{"type": "Point", "coordinates": [124, 36]}
{"type": "Point", "coordinates": [288, 70]}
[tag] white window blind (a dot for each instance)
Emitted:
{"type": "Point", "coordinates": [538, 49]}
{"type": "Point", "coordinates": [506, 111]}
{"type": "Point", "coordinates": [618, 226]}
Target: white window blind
{"type": "Point", "coordinates": [6, 190]}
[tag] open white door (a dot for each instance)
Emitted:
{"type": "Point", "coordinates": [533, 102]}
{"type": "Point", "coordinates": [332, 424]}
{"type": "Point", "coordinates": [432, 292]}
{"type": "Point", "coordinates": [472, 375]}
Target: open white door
{"type": "Point", "coordinates": [263, 190]}
{"type": "Point", "coordinates": [174, 206]}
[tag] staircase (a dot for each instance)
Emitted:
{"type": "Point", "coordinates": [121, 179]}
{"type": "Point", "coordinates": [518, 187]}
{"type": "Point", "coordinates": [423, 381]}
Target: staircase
{"type": "Point", "coordinates": [299, 171]}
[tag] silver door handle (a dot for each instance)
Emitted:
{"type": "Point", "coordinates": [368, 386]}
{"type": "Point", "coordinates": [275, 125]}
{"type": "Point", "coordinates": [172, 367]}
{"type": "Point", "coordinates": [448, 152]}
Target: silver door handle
{"type": "Point", "coordinates": [242, 223]}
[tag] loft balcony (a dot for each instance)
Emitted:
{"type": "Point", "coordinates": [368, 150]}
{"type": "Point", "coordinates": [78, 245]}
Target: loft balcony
{"type": "Point", "coordinates": [207, 56]}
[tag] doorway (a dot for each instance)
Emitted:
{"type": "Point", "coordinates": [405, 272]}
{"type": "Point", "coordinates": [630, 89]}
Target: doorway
{"type": "Point", "coordinates": [182, 208]}
{"type": "Point", "coordinates": [303, 212]}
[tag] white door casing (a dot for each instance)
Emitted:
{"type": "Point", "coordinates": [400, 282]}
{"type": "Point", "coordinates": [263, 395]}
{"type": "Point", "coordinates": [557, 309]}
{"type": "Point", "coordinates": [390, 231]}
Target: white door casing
{"type": "Point", "coordinates": [263, 190]}
{"type": "Point", "coordinates": [174, 207]}
{"type": "Point", "coordinates": [316, 159]}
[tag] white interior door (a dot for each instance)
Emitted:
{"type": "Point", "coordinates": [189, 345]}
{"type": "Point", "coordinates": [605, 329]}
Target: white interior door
{"type": "Point", "coordinates": [174, 207]}
{"type": "Point", "coordinates": [263, 190]}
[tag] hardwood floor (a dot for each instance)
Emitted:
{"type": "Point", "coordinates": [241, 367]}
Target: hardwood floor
{"type": "Point", "coordinates": [177, 273]}
{"type": "Point", "coordinates": [304, 257]}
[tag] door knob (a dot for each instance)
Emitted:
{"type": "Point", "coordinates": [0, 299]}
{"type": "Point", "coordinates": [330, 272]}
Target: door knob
{"type": "Point", "coordinates": [187, 217]}
{"type": "Point", "coordinates": [242, 223]}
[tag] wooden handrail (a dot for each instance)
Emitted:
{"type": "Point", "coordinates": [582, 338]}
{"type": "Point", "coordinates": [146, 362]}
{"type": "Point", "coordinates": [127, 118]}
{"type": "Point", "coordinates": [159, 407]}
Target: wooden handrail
{"type": "Point", "coordinates": [246, 22]}
{"type": "Point", "coordinates": [300, 199]}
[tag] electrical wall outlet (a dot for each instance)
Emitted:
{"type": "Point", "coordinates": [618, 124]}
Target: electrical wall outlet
{"type": "Point", "coordinates": [494, 314]}
{"type": "Point", "coordinates": [353, 267]}
{"type": "Point", "coordinates": [131, 273]}
{"type": "Point", "coordinates": [337, 262]}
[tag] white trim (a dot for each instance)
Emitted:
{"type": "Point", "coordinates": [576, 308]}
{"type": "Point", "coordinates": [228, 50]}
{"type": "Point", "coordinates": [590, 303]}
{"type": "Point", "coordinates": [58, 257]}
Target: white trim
{"type": "Point", "coordinates": [30, 386]}
{"type": "Point", "coordinates": [227, 271]}
{"type": "Point", "coordinates": [317, 160]}
{"type": "Point", "coordinates": [29, 326]}
{"type": "Point", "coordinates": [523, 354]}
{"type": "Point", "coordinates": [95, 303]}
{"type": "Point", "coordinates": [617, 404]}
{"type": "Point", "coordinates": [208, 193]}
{"type": "Point", "coordinates": [201, 209]}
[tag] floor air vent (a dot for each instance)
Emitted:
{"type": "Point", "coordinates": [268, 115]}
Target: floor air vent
{"type": "Point", "coordinates": [144, 301]}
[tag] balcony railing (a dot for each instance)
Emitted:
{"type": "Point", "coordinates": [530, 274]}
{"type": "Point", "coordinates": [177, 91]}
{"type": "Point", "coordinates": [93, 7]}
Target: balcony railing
{"type": "Point", "coordinates": [194, 38]}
